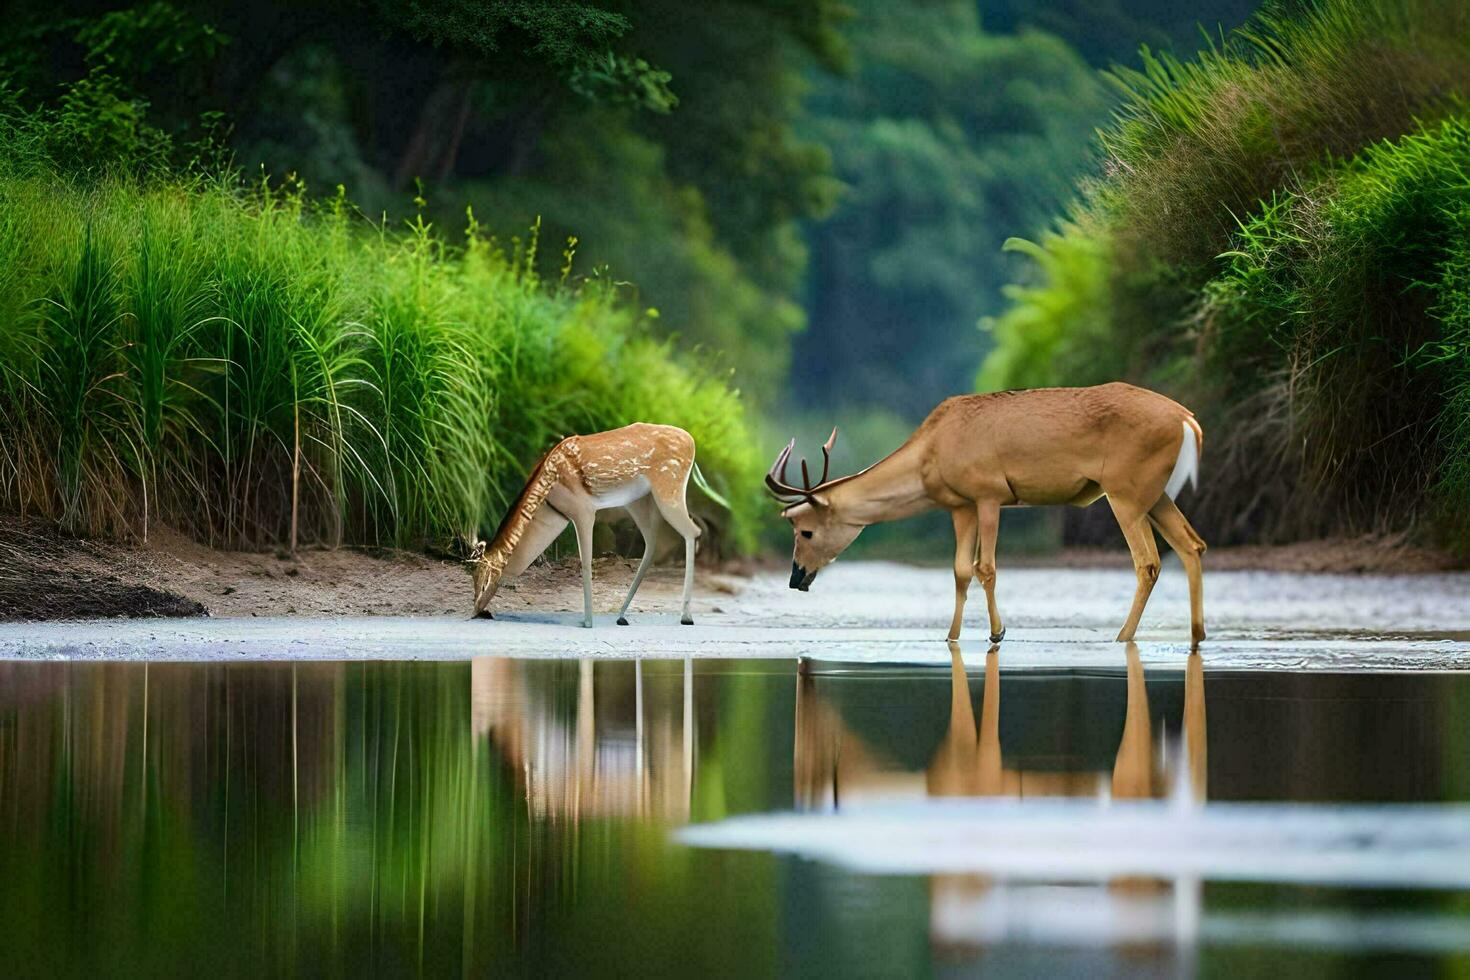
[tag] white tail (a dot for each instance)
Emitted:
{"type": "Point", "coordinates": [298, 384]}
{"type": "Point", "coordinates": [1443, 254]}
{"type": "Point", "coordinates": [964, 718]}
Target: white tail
{"type": "Point", "coordinates": [1186, 467]}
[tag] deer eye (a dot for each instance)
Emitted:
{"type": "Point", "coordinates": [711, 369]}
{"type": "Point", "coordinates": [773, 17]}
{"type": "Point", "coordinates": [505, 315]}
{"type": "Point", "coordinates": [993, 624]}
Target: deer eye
{"type": "Point", "coordinates": [806, 534]}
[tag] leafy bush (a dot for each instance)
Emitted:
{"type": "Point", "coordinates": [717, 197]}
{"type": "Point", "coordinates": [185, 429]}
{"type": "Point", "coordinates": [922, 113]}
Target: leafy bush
{"type": "Point", "coordinates": [257, 369]}
{"type": "Point", "coordinates": [1343, 306]}
{"type": "Point", "coordinates": [1196, 143]}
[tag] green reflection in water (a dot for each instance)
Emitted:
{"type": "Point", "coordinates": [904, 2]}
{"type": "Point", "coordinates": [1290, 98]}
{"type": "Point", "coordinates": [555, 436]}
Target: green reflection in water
{"type": "Point", "coordinates": [512, 816]}
{"type": "Point", "coordinates": [322, 818]}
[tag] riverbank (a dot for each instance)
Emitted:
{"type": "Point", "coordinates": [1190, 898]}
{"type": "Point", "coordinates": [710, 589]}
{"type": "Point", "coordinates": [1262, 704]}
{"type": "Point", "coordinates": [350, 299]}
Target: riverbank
{"type": "Point", "coordinates": [45, 575]}
{"type": "Point", "coordinates": [1057, 618]}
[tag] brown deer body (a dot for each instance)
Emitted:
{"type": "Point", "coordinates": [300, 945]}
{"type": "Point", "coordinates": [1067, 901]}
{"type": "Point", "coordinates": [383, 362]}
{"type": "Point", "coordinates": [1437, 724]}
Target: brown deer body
{"type": "Point", "coordinates": [642, 468]}
{"type": "Point", "coordinates": [975, 454]}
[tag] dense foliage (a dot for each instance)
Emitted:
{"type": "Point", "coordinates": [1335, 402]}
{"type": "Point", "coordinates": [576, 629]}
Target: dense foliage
{"type": "Point", "coordinates": [1343, 313]}
{"type": "Point", "coordinates": [1277, 238]}
{"type": "Point", "coordinates": [259, 369]}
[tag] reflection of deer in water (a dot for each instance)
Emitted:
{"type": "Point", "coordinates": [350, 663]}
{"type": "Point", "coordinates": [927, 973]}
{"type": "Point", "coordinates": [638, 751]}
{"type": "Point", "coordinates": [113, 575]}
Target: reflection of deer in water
{"type": "Point", "coordinates": [832, 763]}
{"type": "Point", "coordinates": [642, 468]}
{"type": "Point", "coordinates": [577, 767]}
{"type": "Point", "coordinates": [834, 766]}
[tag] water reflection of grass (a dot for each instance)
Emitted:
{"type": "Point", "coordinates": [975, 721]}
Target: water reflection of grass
{"type": "Point", "coordinates": [505, 815]}
{"type": "Point", "coordinates": [318, 818]}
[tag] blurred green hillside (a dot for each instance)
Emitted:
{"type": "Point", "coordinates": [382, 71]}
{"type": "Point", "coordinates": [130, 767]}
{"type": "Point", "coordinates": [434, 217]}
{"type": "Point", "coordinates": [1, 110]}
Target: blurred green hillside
{"type": "Point", "coordinates": [963, 124]}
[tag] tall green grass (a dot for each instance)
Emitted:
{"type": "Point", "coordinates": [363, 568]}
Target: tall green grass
{"type": "Point", "coordinates": [1272, 239]}
{"type": "Point", "coordinates": [258, 369]}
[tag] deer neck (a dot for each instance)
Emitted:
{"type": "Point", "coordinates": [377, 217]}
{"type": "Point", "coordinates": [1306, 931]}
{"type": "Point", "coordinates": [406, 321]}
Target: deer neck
{"type": "Point", "coordinates": [497, 560]}
{"type": "Point", "coordinates": [544, 477]}
{"type": "Point", "coordinates": [889, 490]}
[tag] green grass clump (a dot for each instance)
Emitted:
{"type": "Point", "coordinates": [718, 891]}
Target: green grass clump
{"type": "Point", "coordinates": [1272, 240]}
{"type": "Point", "coordinates": [1344, 306]}
{"type": "Point", "coordinates": [255, 368]}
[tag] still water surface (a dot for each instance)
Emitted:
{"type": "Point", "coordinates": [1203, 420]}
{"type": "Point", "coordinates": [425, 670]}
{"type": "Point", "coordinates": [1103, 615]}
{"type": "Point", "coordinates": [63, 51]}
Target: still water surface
{"type": "Point", "coordinates": [517, 816]}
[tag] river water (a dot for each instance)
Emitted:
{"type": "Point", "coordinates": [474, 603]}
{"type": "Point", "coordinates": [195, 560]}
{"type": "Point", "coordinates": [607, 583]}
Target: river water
{"type": "Point", "coordinates": [731, 817]}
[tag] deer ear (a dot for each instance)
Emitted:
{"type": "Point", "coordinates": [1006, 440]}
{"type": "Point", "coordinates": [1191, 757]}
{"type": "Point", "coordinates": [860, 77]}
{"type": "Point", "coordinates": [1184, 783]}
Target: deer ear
{"type": "Point", "coordinates": [821, 500]}
{"type": "Point", "coordinates": [477, 551]}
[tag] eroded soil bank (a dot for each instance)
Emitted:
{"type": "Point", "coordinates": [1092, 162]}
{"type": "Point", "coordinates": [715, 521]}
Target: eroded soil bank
{"type": "Point", "coordinates": [46, 575]}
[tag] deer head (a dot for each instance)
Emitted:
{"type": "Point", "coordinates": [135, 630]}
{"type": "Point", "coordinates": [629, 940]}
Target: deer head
{"type": "Point", "coordinates": [819, 534]}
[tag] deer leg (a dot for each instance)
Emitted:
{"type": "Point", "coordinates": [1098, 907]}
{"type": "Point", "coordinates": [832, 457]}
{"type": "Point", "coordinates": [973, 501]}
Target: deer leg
{"type": "Point", "coordinates": [961, 710]}
{"type": "Point", "coordinates": [674, 511]}
{"type": "Point", "coordinates": [990, 768]}
{"type": "Point", "coordinates": [1189, 546]}
{"type": "Point", "coordinates": [964, 563]}
{"type": "Point", "coordinates": [1133, 766]}
{"type": "Point", "coordinates": [583, 524]}
{"type": "Point", "coordinates": [988, 515]}
{"type": "Point", "coordinates": [1140, 539]}
{"type": "Point", "coordinates": [645, 515]}
{"type": "Point", "coordinates": [952, 770]}
{"type": "Point", "coordinates": [586, 755]}
{"type": "Point", "coordinates": [1196, 742]}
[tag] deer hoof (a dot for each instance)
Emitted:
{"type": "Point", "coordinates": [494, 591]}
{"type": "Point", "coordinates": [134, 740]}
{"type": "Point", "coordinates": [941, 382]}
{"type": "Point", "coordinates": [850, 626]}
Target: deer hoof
{"type": "Point", "coordinates": [483, 614]}
{"type": "Point", "coordinates": [622, 620]}
{"type": "Point", "coordinates": [997, 637]}
{"type": "Point", "coordinates": [687, 621]}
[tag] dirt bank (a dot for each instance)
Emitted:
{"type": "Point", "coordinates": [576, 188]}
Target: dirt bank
{"type": "Point", "coordinates": [47, 575]}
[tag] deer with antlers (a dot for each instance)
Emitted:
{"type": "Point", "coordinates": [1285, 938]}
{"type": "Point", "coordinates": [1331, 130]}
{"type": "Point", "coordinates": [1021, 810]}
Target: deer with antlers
{"type": "Point", "coordinates": [642, 468]}
{"type": "Point", "coordinates": [975, 454]}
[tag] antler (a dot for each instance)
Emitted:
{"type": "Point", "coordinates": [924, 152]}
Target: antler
{"type": "Point", "coordinates": [782, 488]}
